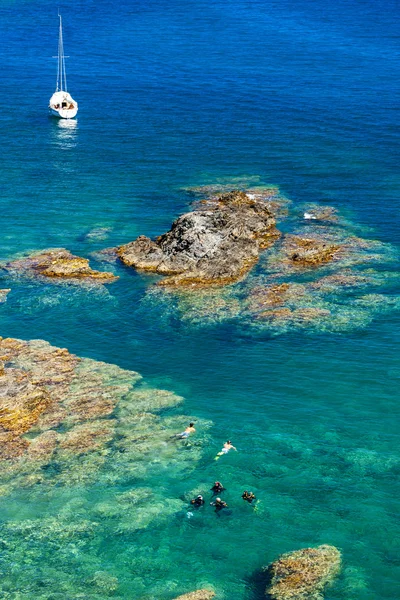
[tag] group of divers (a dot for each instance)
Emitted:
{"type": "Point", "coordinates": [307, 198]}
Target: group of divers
{"type": "Point", "coordinates": [217, 488]}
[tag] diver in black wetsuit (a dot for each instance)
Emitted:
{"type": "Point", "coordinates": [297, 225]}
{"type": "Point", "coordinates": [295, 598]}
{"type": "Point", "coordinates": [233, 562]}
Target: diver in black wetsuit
{"type": "Point", "coordinates": [219, 505]}
{"type": "Point", "coordinates": [198, 501]}
{"type": "Point", "coordinates": [248, 496]}
{"type": "Point", "coordinates": [217, 488]}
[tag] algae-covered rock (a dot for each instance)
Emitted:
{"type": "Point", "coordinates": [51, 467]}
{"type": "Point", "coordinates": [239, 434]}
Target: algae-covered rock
{"type": "Point", "coordinates": [216, 244]}
{"type": "Point", "coordinates": [63, 417]}
{"type": "Point", "coordinates": [309, 251]}
{"type": "Point", "coordinates": [303, 574]}
{"type": "Point", "coordinates": [57, 264]}
{"type": "Point", "coordinates": [198, 595]}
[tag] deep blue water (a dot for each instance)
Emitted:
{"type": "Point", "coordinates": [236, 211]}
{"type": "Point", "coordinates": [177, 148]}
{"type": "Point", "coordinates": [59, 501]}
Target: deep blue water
{"type": "Point", "coordinates": [301, 95]}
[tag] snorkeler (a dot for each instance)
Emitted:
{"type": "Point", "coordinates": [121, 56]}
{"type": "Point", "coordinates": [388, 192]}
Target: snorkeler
{"type": "Point", "coordinates": [185, 434]}
{"type": "Point", "coordinates": [248, 496]}
{"type": "Point", "coordinates": [198, 501]}
{"type": "Point", "coordinates": [226, 447]}
{"type": "Point", "coordinates": [217, 488]}
{"type": "Point", "coordinates": [219, 504]}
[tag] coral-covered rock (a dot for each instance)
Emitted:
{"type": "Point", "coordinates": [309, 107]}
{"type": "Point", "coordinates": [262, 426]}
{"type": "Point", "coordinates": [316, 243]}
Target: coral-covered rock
{"type": "Point", "coordinates": [309, 252]}
{"type": "Point", "coordinates": [42, 387]}
{"type": "Point", "coordinates": [66, 420]}
{"type": "Point", "coordinates": [303, 574]}
{"type": "Point", "coordinates": [213, 245]}
{"type": "Point", "coordinates": [199, 595]}
{"type": "Point", "coordinates": [57, 263]}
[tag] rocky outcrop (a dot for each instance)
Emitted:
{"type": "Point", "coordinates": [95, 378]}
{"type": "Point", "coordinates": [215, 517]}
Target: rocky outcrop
{"type": "Point", "coordinates": [213, 245]}
{"type": "Point", "coordinates": [199, 595]}
{"type": "Point", "coordinates": [309, 252]}
{"type": "Point", "coordinates": [57, 264]}
{"type": "Point", "coordinates": [303, 574]}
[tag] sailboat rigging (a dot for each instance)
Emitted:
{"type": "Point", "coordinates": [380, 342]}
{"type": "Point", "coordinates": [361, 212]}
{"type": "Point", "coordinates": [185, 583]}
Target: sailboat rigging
{"type": "Point", "coordinates": [61, 104]}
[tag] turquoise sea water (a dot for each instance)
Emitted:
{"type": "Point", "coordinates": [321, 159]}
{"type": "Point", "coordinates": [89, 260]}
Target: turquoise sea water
{"type": "Point", "coordinates": [300, 95]}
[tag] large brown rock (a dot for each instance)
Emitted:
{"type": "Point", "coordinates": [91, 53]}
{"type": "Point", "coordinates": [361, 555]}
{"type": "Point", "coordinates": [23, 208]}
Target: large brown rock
{"type": "Point", "coordinates": [309, 252]}
{"type": "Point", "coordinates": [58, 263]}
{"type": "Point", "coordinates": [214, 245]}
{"type": "Point", "coordinates": [303, 574]}
{"type": "Point", "coordinates": [199, 595]}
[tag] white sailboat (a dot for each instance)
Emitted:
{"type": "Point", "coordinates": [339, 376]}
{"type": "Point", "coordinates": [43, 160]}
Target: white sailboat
{"type": "Point", "coordinates": [61, 104]}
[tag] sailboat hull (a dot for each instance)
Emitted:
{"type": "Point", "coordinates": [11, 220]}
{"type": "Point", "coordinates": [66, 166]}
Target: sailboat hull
{"type": "Point", "coordinates": [63, 113]}
{"type": "Point", "coordinates": [62, 106]}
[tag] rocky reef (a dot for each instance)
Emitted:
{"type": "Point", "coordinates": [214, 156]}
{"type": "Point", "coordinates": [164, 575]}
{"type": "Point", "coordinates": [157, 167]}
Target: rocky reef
{"type": "Point", "coordinates": [63, 419]}
{"type": "Point", "coordinates": [198, 595]}
{"type": "Point", "coordinates": [303, 574]}
{"type": "Point", "coordinates": [321, 275]}
{"type": "Point", "coordinates": [215, 244]}
{"type": "Point", "coordinates": [307, 251]}
{"type": "Point", "coordinates": [57, 264]}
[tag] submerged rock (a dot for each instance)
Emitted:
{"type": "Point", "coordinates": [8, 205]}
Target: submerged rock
{"type": "Point", "coordinates": [214, 245]}
{"type": "Point", "coordinates": [315, 212]}
{"type": "Point", "coordinates": [62, 417]}
{"type": "Point", "coordinates": [199, 595]}
{"type": "Point", "coordinates": [97, 234]}
{"type": "Point", "coordinates": [58, 263]}
{"type": "Point", "coordinates": [303, 574]}
{"type": "Point", "coordinates": [309, 252]}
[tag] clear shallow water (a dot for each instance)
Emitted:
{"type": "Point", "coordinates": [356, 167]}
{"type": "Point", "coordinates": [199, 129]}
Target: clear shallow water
{"type": "Point", "coordinates": [300, 96]}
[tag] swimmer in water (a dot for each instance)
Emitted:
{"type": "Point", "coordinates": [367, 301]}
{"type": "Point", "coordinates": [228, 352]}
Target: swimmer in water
{"type": "Point", "coordinates": [227, 446]}
{"type": "Point", "coordinates": [185, 434]}
{"type": "Point", "coordinates": [248, 496]}
{"type": "Point", "coordinates": [219, 504]}
{"type": "Point", "coordinates": [217, 488]}
{"type": "Point", "coordinates": [198, 501]}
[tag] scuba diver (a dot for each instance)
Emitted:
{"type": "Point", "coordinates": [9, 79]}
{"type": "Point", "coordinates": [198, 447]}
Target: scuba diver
{"type": "Point", "coordinates": [217, 488]}
{"type": "Point", "coordinates": [219, 505]}
{"type": "Point", "coordinates": [248, 496]}
{"type": "Point", "coordinates": [198, 501]}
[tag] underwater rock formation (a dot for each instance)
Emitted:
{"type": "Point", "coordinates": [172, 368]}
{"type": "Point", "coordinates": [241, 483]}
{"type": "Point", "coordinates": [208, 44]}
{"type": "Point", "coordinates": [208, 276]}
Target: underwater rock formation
{"type": "Point", "coordinates": [57, 264]}
{"type": "Point", "coordinates": [199, 595]}
{"type": "Point", "coordinates": [303, 574]}
{"type": "Point", "coordinates": [63, 417]}
{"type": "Point", "coordinates": [314, 212]}
{"type": "Point", "coordinates": [308, 252]}
{"type": "Point", "coordinates": [215, 244]}
{"type": "Point", "coordinates": [97, 234]}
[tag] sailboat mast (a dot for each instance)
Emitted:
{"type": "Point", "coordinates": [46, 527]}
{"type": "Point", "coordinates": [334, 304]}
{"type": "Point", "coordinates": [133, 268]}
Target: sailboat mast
{"type": "Point", "coordinates": [61, 73]}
